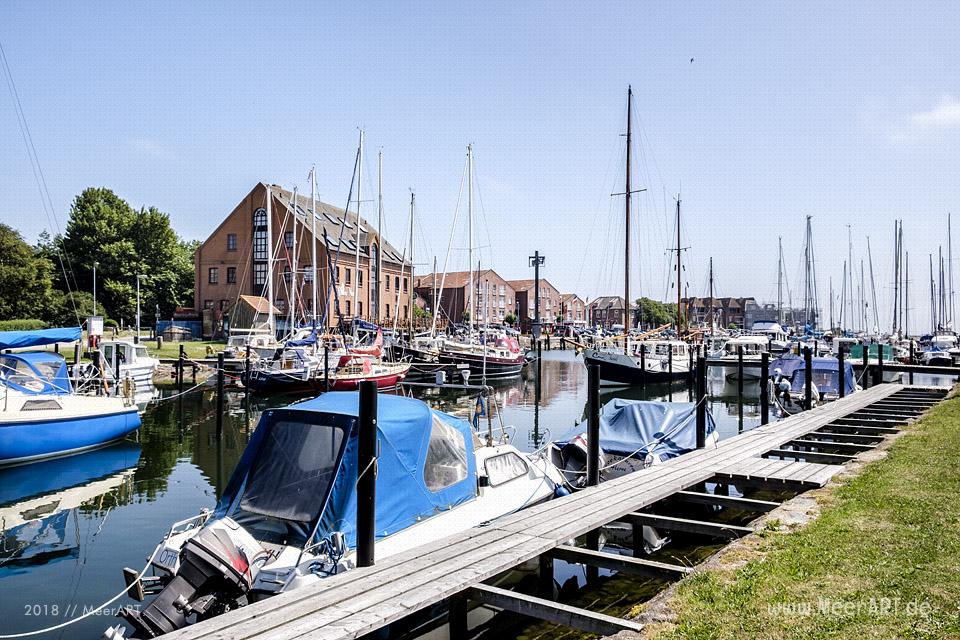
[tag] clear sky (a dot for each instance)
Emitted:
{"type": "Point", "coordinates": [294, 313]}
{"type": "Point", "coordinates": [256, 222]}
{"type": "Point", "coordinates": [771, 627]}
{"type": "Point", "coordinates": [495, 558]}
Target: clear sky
{"type": "Point", "coordinates": [761, 113]}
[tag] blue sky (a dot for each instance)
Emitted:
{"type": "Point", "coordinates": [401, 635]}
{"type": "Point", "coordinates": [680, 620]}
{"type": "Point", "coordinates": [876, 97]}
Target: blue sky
{"type": "Point", "coordinates": [849, 112]}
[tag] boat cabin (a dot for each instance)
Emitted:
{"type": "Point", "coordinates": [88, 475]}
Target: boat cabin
{"type": "Point", "coordinates": [752, 345]}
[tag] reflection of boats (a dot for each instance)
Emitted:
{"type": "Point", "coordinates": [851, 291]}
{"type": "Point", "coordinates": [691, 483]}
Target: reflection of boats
{"type": "Point", "coordinates": [36, 501]}
{"type": "Point", "coordinates": [287, 516]}
{"type": "Point", "coordinates": [42, 416]}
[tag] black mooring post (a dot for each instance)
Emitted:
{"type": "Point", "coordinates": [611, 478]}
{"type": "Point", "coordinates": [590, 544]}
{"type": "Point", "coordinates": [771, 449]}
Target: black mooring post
{"type": "Point", "coordinates": [220, 395]}
{"type": "Point", "coordinates": [96, 371]}
{"type": "Point", "coordinates": [458, 607]}
{"type": "Point", "coordinates": [669, 372]}
{"type": "Point", "coordinates": [545, 577]}
{"type": "Point", "coordinates": [326, 367]}
{"type": "Point", "coordinates": [76, 353]}
{"type": "Point", "coordinates": [180, 365]}
{"type": "Point", "coordinates": [764, 386]}
{"type": "Point", "coordinates": [866, 368]}
{"type": "Point", "coordinates": [246, 378]}
{"type": "Point", "coordinates": [690, 373]}
{"type": "Point", "coordinates": [879, 363]}
{"type": "Point", "coordinates": [593, 453]}
{"type": "Point", "coordinates": [842, 378]}
{"type": "Point", "coordinates": [739, 387]}
{"type": "Point", "coordinates": [912, 360]}
{"type": "Point", "coordinates": [701, 402]}
{"type": "Point", "coordinates": [643, 366]}
{"type": "Point", "coordinates": [808, 371]}
{"type": "Point", "coordinates": [367, 468]}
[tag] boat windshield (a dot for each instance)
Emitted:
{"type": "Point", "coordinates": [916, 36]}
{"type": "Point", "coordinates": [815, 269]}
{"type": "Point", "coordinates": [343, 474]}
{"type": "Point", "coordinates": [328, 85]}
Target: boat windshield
{"type": "Point", "coordinates": [289, 479]}
{"type": "Point", "coordinates": [826, 380]}
{"type": "Point", "coordinates": [34, 373]}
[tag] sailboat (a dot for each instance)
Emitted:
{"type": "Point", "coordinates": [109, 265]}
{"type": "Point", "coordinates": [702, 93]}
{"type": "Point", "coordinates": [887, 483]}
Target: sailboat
{"type": "Point", "coordinates": [640, 362]}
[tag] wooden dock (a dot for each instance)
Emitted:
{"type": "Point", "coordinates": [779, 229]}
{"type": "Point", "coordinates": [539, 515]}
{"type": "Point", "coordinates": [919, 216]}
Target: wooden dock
{"type": "Point", "coordinates": [798, 453]}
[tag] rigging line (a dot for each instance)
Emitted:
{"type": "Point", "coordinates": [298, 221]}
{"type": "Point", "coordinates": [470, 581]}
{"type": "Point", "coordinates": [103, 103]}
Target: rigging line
{"type": "Point", "coordinates": [596, 208]}
{"type": "Point", "coordinates": [38, 175]}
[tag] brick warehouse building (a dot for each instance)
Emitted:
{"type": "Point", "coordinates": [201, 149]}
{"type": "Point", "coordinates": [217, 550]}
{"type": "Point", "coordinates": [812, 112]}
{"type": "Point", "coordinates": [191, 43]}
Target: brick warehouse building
{"type": "Point", "coordinates": [494, 297]}
{"type": "Point", "coordinates": [235, 260]}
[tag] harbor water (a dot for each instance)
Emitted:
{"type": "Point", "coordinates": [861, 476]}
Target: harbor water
{"type": "Point", "coordinates": [70, 525]}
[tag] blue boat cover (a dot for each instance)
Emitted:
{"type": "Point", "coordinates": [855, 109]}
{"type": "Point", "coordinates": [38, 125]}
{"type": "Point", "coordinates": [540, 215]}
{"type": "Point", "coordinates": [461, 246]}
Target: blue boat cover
{"type": "Point", "coordinates": [363, 324]}
{"type": "Point", "coordinates": [37, 337]}
{"type": "Point", "coordinates": [667, 429]}
{"type": "Point", "coordinates": [35, 372]}
{"type": "Point", "coordinates": [407, 431]}
{"type": "Point", "coordinates": [826, 376]}
{"type": "Point", "coordinates": [787, 364]}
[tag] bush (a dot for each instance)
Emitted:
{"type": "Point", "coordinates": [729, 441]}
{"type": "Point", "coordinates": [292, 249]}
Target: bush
{"type": "Point", "coordinates": [110, 323]}
{"type": "Point", "coordinates": [28, 324]}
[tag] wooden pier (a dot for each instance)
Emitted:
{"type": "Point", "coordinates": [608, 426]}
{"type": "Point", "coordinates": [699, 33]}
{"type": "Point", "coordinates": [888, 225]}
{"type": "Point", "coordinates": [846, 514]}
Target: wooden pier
{"type": "Point", "coordinates": [796, 454]}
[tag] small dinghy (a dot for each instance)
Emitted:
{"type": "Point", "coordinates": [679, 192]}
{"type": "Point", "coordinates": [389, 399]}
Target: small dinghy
{"type": "Point", "coordinates": [287, 517]}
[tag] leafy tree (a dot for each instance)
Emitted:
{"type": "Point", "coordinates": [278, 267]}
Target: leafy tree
{"type": "Point", "coordinates": [26, 278]}
{"type": "Point", "coordinates": [510, 318]}
{"type": "Point", "coordinates": [653, 312]}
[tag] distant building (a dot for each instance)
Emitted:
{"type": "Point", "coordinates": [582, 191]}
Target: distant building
{"type": "Point", "coordinates": [494, 296]}
{"type": "Point", "coordinates": [526, 311]}
{"type": "Point", "coordinates": [573, 310]}
{"type": "Point", "coordinates": [235, 260]}
{"type": "Point", "coordinates": [607, 311]}
{"type": "Point", "coordinates": [741, 312]}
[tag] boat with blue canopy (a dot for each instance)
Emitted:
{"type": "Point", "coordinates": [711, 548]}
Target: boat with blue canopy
{"type": "Point", "coordinates": [287, 516]}
{"type": "Point", "coordinates": [790, 393]}
{"type": "Point", "coordinates": [41, 415]}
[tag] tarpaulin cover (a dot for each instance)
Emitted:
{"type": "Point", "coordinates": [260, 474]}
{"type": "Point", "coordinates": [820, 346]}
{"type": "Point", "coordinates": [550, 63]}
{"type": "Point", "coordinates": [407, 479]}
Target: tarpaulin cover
{"type": "Point", "coordinates": [37, 337]}
{"type": "Point", "coordinates": [667, 429]}
{"type": "Point", "coordinates": [787, 364]}
{"type": "Point", "coordinates": [826, 376]}
{"type": "Point", "coordinates": [35, 372]}
{"type": "Point", "coordinates": [404, 427]}
{"type": "Point", "coordinates": [310, 339]}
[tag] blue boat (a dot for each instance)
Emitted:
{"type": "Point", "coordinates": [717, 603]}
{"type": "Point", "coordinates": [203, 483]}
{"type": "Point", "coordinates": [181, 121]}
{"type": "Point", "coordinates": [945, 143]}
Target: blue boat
{"type": "Point", "coordinates": [40, 414]}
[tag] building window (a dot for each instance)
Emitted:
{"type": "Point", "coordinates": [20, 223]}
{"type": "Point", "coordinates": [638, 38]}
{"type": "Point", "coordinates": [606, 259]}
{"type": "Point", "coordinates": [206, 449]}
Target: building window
{"type": "Point", "coordinates": [359, 279]}
{"type": "Point", "coordinates": [405, 311]}
{"type": "Point", "coordinates": [260, 218]}
{"type": "Point", "coordinates": [347, 274]}
{"type": "Point", "coordinates": [281, 304]}
{"type": "Point", "coordinates": [231, 275]}
{"type": "Point", "coordinates": [396, 283]}
{"type": "Point", "coordinates": [388, 311]}
{"type": "Point", "coordinates": [259, 274]}
{"type": "Point", "coordinates": [213, 275]}
{"type": "Point", "coordinates": [308, 273]}
{"type": "Point", "coordinates": [404, 285]}
{"type": "Point", "coordinates": [260, 245]}
{"type": "Point", "coordinates": [348, 305]}
{"type": "Point", "coordinates": [286, 273]}
{"type": "Point", "coordinates": [231, 242]}
{"type": "Point", "coordinates": [502, 290]}
{"type": "Point", "coordinates": [338, 274]}
{"type": "Point", "coordinates": [208, 304]}
{"type": "Point", "coordinates": [288, 239]}
{"type": "Point", "coordinates": [359, 308]}
{"type": "Point", "coordinates": [386, 283]}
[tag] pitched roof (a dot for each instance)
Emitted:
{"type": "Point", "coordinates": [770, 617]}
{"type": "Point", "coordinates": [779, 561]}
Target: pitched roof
{"type": "Point", "coordinates": [258, 304]}
{"type": "Point", "coordinates": [566, 297]}
{"type": "Point", "coordinates": [609, 302]}
{"type": "Point", "coordinates": [526, 285]}
{"type": "Point", "coordinates": [453, 279]}
{"type": "Point", "coordinates": [330, 219]}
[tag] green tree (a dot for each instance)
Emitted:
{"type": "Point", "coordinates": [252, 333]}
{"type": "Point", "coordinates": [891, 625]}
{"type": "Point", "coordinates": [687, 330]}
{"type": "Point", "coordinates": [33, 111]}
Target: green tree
{"type": "Point", "coordinates": [510, 318]}
{"type": "Point", "coordinates": [26, 278]}
{"type": "Point", "coordinates": [653, 312]}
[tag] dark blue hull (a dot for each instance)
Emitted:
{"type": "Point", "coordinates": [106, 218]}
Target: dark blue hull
{"type": "Point", "coordinates": [27, 440]}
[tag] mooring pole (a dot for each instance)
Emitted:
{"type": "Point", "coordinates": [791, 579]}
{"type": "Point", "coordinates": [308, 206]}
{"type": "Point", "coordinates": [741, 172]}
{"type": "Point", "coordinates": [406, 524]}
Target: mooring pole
{"type": "Point", "coordinates": [593, 453]}
{"type": "Point", "coordinates": [764, 388]}
{"type": "Point", "coordinates": [180, 365]}
{"type": "Point", "coordinates": [842, 379]}
{"type": "Point", "coordinates": [643, 366]}
{"type": "Point", "coordinates": [739, 387]}
{"type": "Point", "coordinates": [76, 353]}
{"type": "Point", "coordinates": [326, 367]}
{"type": "Point", "coordinates": [701, 402]}
{"type": "Point", "coordinates": [866, 368]}
{"type": "Point", "coordinates": [367, 468]}
{"type": "Point", "coordinates": [220, 395]}
{"type": "Point", "coordinates": [690, 372]}
{"type": "Point", "coordinates": [246, 378]}
{"type": "Point", "coordinates": [879, 363]}
{"type": "Point", "coordinates": [912, 360]}
{"type": "Point", "coordinates": [808, 367]}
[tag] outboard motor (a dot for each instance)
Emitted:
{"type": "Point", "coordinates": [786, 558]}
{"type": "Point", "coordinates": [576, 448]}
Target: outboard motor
{"type": "Point", "coordinates": [218, 567]}
{"type": "Point", "coordinates": [571, 460]}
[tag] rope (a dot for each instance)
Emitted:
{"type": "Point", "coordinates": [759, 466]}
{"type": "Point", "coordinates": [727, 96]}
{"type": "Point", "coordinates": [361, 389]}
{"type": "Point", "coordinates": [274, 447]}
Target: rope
{"type": "Point", "coordinates": [89, 613]}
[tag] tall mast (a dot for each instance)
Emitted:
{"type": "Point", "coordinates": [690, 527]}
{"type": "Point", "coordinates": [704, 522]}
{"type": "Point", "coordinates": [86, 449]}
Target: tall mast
{"type": "Point", "coordinates": [896, 276]}
{"type": "Point", "coordinates": [850, 316]}
{"type": "Point", "coordinates": [873, 290]}
{"type": "Point", "coordinates": [863, 299]}
{"type": "Point", "coordinates": [626, 238]}
{"type": "Point", "coordinates": [270, 318]}
{"type": "Point", "coordinates": [900, 273]}
{"type": "Point", "coordinates": [293, 269]}
{"type": "Point", "coordinates": [933, 299]}
{"type": "Point", "coordinates": [313, 236]}
{"type": "Point", "coordinates": [943, 293]}
{"type": "Point", "coordinates": [710, 305]}
{"type": "Point", "coordinates": [906, 297]}
{"type": "Point", "coordinates": [843, 294]}
{"type": "Point", "coordinates": [473, 301]}
{"type": "Point", "coordinates": [950, 268]}
{"type": "Point", "coordinates": [679, 274]}
{"type": "Point", "coordinates": [831, 302]}
{"type": "Point", "coordinates": [356, 262]}
{"type": "Point", "coordinates": [780, 282]}
{"type": "Point", "coordinates": [375, 291]}
{"type": "Point", "coordinates": [410, 296]}
{"type": "Point", "coordinates": [436, 303]}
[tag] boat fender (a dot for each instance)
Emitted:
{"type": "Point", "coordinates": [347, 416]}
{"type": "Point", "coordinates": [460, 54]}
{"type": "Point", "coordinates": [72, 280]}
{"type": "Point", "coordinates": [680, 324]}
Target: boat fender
{"type": "Point", "coordinates": [560, 491]}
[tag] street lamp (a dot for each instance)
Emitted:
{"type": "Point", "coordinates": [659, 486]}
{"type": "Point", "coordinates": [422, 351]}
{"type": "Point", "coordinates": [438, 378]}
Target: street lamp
{"type": "Point", "coordinates": [95, 265]}
{"type": "Point", "coordinates": [535, 261]}
{"type": "Point", "coordinates": [137, 338]}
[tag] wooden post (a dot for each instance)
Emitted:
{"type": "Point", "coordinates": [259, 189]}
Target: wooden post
{"type": "Point", "coordinates": [180, 366]}
{"type": "Point", "coordinates": [326, 367]}
{"type": "Point", "coordinates": [842, 379]}
{"type": "Point", "coordinates": [690, 374]}
{"type": "Point", "coordinates": [808, 386]}
{"type": "Point", "coordinates": [643, 366]}
{"type": "Point", "coordinates": [701, 402]}
{"type": "Point", "coordinates": [159, 342]}
{"type": "Point", "coordinates": [545, 587]}
{"type": "Point", "coordinates": [764, 388]}
{"type": "Point", "coordinates": [913, 359]}
{"type": "Point", "coordinates": [740, 387]}
{"type": "Point", "coordinates": [76, 354]}
{"type": "Point", "coordinates": [593, 453]}
{"type": "Point", "coordinates": [458, 607]}
{"type": "Point", "coordinates": [879, 363]}
{"type": "Point", "coordinates": [866, 368]}
{"type": "Point", "coordinates": [367, 468]}
{"type": "Point", "coordinates": [96, 371]}
{"type": "Point", "coordinates": [220, 395]}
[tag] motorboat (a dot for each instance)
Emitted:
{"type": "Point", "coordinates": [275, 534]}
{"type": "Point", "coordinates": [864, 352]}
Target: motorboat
{"type": "Point", "coordinates": [779, 341]}
{"type": "Point", "coordinates": [42, 415]}
{"type": "Point", "coordinates": [126, 359]}
{"type": "Point", "coordinates": [753, 346]}
{"type": "Point", "coordinates": [287, 517]}
{"type": "Point", "coordinates": [942, 350]}
{"type": "Point", "coordinates": [353, 368]}
{"type": "Point", "coordinates": [491, 355]}
{"type": "Point", "coordinates": [788, 390]}
{"type": "Point", "coordinates": [646, 362]}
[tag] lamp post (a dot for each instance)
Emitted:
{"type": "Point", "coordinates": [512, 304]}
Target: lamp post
{"type": "Point", "coordinates": [535, 261]}
{"type": "Point", "coordinates": [95, 265]}
{"type": "Point", "coordinates": [137, 338]}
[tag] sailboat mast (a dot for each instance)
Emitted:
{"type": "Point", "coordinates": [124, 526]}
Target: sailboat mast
{"type": "Point", "coordinates": [906, 296]}
{"type": "Point", "coordinates": [933, 298]}
{"type": "Point", "coordinates": [863, 300]}
{"type": "Point", "coordinates": [313, 236]}
{"type": "Point", "coordinates": [831, 302]}
{"type": "Point", "coordinates": [412, 297]}
{"type": "Point", "coordinates": [950, 268]}
{"type": "Point", "coordinates": [710, 305]}
{"type": "Point", "coordinates": [470, 233]}
{"type": "Point", "coordinates": [873, 290]}
{"type": "Point", "coordinates": [293, 269]}
{"type": "Point", "coordinates": [679, 274]}
{"type": "Point", "coordinates": [626, 239]}
{"type": "Point", "coordinates": [271, 320]}
{"type": "Point", "coordinates": [780, 282]}
{"type": "Point", "coordinates": [375, 291]}
{"type": "Point", "coordinates": [896, 276]}
{"type": "Point", "coordinates": [356, 262]}
{"type": "Point", "coordinates": [850, 315]}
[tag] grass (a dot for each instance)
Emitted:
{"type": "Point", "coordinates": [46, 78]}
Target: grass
{"type": "Point", "coordinates": [881, 561]}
